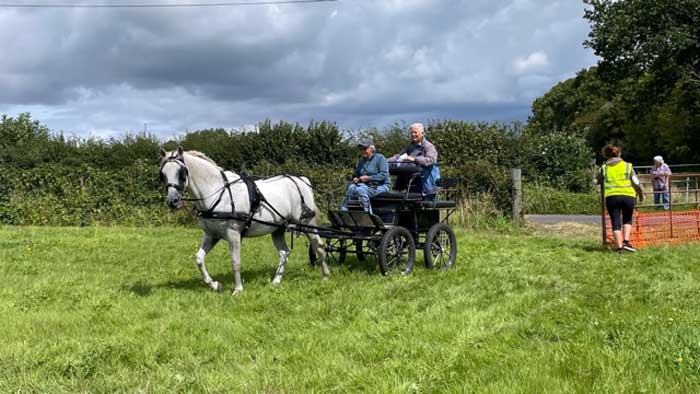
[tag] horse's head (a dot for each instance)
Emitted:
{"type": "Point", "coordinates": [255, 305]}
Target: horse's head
{"type": "Point", "coordinates": [174, 175]}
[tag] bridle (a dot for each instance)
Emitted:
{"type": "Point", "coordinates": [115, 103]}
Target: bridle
{"type": "Point", "coordinates": [183, 174]}
{"type": "Point", "coordinates": [183, 180]}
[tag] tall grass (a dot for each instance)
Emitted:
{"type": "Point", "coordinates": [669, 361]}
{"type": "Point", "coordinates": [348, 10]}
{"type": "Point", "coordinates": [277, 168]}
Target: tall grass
{"type": "Point", "coordinates": [542, 199]}
{"type": "Point", "coordinates": [480, 212]}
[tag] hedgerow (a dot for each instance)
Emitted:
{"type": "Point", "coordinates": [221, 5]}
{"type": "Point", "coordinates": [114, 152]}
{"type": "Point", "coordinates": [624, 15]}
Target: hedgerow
{"type": "Point", "coordinates": [49, 179]}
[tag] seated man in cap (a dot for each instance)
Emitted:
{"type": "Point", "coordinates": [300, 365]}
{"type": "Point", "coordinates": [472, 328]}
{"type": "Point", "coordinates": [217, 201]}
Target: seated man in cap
{"type": "Point", "coordinates": [371, 177]}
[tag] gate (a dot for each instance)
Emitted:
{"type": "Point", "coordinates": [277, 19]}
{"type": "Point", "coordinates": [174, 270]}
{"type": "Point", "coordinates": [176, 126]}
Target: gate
{"type": "Point", "coordinates": [652, 224]}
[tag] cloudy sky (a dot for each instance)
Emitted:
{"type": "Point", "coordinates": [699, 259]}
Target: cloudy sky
{"type": "Point", "coordinates": [362, 63]}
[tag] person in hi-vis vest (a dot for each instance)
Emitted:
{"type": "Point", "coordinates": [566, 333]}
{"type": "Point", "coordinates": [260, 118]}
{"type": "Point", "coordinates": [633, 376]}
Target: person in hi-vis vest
{"type": "Point", "coordinates": [621, 186]}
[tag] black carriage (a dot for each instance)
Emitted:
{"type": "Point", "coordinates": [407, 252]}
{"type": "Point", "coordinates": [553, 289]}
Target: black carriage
{"type": "Point", "coordinates": [401, 222]}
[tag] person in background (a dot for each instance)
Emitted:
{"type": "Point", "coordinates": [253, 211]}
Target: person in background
{"type": "Point", "coordinates": [621, 186]}
{"type": "Point", "coordinates": [660, 177]}
{"type": "Point", "coordinates": [370, 178]}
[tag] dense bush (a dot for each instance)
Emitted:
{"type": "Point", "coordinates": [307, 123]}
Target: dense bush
{"type": "Point", "coordinates": [279, 143]}
{"type": "Point", "coordinates": [50, 179]}
{"type": "Point", "coordinates": [559, 159]}
{"type": "Point", "coordinates": [65, 195]}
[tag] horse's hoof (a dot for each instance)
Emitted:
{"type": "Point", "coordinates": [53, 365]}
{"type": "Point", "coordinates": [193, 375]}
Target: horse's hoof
{"type": "Point", "coordinates": [237, 292]}
{"type": "Point", "coordinates": [217, 287]}
{"type": "Point", "coordinates": [276, 282]}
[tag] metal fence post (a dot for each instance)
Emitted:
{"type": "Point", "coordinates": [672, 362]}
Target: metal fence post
{"type": "Point", "coordinates": [602, 213]}
{"type": "Point", "coordinates": [670, 206]}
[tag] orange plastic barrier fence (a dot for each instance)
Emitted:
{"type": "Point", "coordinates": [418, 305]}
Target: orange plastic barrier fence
{"type": "Point", "coordinates": [663, 227]}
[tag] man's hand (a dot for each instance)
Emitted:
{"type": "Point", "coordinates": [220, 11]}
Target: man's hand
{"type": "Point", "coordinates": [364, 178]}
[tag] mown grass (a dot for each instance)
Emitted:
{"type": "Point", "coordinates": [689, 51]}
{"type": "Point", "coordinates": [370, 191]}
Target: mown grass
{"type": "Point", "coordinates": [123, 310]}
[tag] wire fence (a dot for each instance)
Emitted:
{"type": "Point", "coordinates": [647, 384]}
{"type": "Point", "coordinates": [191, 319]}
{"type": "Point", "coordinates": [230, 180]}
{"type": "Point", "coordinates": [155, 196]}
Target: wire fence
{"type": "Point", "coordinates": [664, 217]}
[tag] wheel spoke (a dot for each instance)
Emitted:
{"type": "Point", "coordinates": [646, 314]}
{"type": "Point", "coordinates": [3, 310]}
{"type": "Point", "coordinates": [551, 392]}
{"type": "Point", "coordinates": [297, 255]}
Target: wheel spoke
{"type": "Point", "coordinates": [441, 260]}
{"type": "Point", "coordinates": [395, 252]}
{"type": "Point", "coordinates": [439, 246]}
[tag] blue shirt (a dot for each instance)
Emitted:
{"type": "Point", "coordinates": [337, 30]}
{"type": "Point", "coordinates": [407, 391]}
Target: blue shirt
{"type": "Point", "coordinates": [376, 167]}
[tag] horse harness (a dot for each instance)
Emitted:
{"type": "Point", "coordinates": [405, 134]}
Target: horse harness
{"type": "Point", "coordinates": [255, 197]}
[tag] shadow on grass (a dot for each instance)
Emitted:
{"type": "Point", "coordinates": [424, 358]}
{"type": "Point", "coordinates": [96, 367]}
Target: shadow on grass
{"type": "Point", "coordinates": [195, 283]}
{"type": "Point", "coordinates": [368, 265]}
{"type": "Point", "coordinates": [595, 248]}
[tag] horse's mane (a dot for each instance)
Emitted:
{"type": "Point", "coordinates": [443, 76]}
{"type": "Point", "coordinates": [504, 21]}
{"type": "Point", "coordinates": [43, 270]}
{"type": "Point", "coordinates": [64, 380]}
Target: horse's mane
{"type": "Point", "coordinates": [202, 156]}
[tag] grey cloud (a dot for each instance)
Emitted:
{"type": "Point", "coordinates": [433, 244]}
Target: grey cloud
{"type": "Point", "coordinates": [355, 62]}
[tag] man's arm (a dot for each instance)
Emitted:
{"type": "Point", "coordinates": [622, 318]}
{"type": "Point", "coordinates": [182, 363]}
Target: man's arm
{"type": "Point", "coordinates": [395, 158]}
{"type": "Point", "coordinates": [382, 171]}
{"type": "Point", "coordinates": [429, 156]}
{"type": "Point", "coordinates": [358, 169]}
{"type": "Point", "coordinates": [666, 170]}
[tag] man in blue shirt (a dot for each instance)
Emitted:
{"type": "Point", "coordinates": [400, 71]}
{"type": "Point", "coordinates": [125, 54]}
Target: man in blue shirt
{"type": "Point", "coordinates": [370, 178]}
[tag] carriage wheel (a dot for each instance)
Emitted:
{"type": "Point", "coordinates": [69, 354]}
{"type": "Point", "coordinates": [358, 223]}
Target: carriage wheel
{"type": "Point", "coordinates": [336, 250]}
{"type": "Point", "coordinates": [397, 251]}
{"type": "Point", "coordinates": [440, 248]}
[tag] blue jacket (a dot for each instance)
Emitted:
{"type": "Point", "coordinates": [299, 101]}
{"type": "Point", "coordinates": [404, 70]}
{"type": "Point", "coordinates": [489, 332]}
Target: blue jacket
{"type": "Point", "coordinates": [429, 177]}
{"type": "Point", "coordinates": [376, 167]}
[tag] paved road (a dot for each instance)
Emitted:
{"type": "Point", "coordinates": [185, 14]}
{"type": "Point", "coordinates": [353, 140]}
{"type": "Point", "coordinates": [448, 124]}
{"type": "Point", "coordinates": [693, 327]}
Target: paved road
{"type": "Point", "coordinates": [554, 219]}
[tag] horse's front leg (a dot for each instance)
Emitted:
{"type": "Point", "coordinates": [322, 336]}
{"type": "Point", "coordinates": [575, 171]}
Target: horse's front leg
{"type": "Point", "coordinates": [208, 242]}
{"type": "Point", "coordinates": [234, 243]}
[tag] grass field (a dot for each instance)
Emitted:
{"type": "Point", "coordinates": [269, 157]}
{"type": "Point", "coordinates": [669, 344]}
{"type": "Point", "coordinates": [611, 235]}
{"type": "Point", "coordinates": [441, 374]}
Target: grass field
{"type": "Point", "coordinates": [97, 310]}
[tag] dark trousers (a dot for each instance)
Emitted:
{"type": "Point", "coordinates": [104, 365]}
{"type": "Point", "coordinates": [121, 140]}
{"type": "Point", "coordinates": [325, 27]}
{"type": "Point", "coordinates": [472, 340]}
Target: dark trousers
{"type": "Point", "coordinates": [620, 207]}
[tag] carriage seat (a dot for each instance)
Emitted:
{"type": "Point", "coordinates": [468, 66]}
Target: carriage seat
{"type": "Point", "coordinates": [396, 197]}
{"type": "Point", "coordinates": [437, 204]}
{"type": "Point", "coordinates": [406, 176]}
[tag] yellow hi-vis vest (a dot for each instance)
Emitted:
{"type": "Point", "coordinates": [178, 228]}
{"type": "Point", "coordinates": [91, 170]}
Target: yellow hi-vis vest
{"type": "Point", "coordinates": [618, 179]}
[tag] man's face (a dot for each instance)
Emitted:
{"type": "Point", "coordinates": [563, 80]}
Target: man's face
{"type": "Point", "coordinates": [366, 152]}
{"type": "Point", "coordinates": [416, 135]}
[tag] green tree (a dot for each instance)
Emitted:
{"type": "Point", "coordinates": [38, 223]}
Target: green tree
{"type": "Point", "coordinates": [220, 145]}
{"type": "Point", "coordinates": [655, 42]}
{"type": "Point", "coordinates": [650, 54]}
{"type": "Point", "coordinates": [23, 141]}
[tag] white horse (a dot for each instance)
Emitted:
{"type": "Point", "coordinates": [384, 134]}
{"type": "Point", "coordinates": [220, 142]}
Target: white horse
{"type": "Point", "coordinates": [222, 200]}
